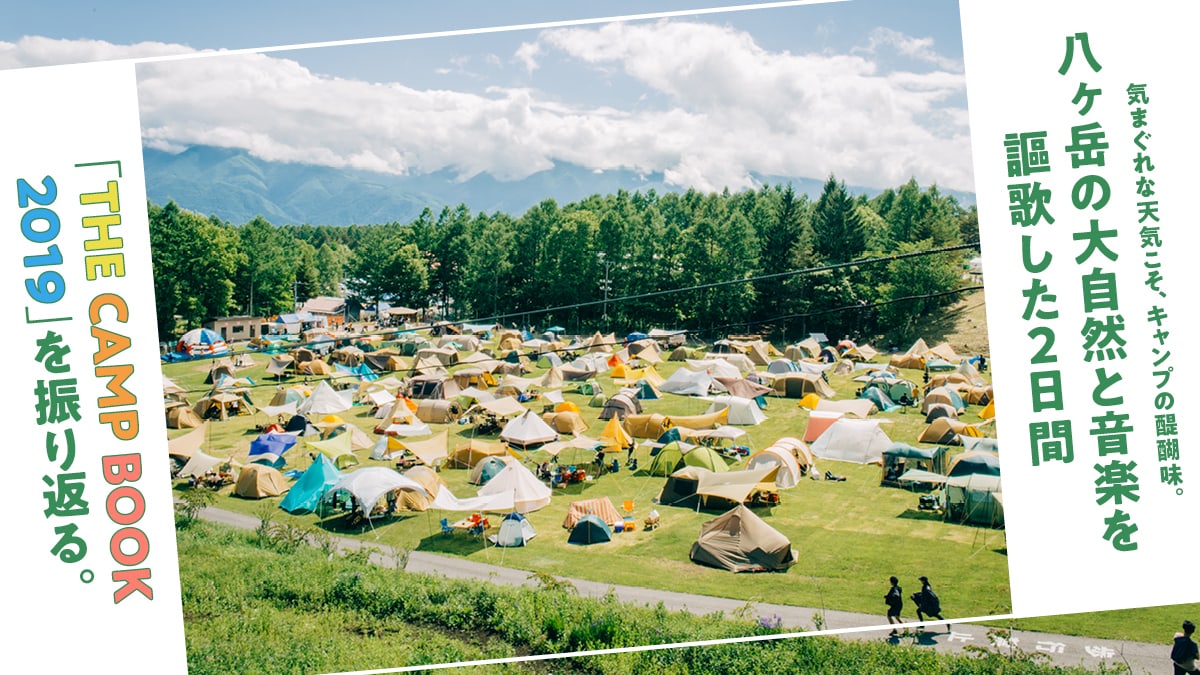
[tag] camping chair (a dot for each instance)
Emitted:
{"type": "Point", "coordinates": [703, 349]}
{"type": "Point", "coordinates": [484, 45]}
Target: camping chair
{"type": "Point", "coordinates": [627, 506]}
{"type": "Point", "coordinates": [446, 529]}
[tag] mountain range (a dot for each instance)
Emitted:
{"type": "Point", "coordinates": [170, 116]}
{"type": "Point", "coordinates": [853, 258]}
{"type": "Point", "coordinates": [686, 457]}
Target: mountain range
{"type": "Point", "coordinates": [235, 186]}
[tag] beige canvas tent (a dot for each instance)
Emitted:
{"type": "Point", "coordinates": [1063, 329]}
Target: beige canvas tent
{"type": "Point", "coordinates": [257, 481]}
{"type": "Point", "coordinates": [740, 541]}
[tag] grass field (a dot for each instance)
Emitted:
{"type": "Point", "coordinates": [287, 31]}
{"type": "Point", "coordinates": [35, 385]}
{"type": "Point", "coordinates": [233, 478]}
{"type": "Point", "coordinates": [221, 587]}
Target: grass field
{"type": "Point", "coordinates": [248, 610]}
{"type": "Point", "coordinates": [850, 535]}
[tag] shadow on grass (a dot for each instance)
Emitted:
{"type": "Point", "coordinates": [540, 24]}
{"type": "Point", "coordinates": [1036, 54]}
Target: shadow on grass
{"type": "Point", "coordinates": [456, 543]}
{"type": "Point", "coordinates": [916, 514]}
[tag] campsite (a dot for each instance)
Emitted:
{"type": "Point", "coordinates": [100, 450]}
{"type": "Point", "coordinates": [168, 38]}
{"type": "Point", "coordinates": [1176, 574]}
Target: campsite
{"type": "Point", "coordinates": [848, 522]}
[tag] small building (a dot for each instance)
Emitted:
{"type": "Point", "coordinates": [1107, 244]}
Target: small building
{"type": "Point", "coordinates": [236, 328]}
{"type": "Point", "coordinates": [332, 309]}
{"type": "Point", "coordinates": [292, 324]}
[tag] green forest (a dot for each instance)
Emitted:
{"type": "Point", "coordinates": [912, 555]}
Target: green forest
{"type": "Point", "coordinates": [512, 269]}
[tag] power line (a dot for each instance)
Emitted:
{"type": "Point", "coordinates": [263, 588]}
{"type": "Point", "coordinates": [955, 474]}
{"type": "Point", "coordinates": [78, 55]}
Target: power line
{"type": "Point", "coordinates": [731, 282]}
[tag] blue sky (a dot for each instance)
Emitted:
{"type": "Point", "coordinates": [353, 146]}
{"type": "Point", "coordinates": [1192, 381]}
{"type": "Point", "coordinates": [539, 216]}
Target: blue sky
{"type": "Point", "coordinates": [870, 90]}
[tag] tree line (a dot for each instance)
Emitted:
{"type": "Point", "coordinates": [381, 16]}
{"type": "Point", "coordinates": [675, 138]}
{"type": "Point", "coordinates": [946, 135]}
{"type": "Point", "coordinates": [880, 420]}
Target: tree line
{"type": "Point", "coordinates": [481, 266]}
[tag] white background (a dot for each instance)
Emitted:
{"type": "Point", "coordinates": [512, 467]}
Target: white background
{"type": "Point", "coordinates": [55, 118]}
{"type": "Point", "coordinates": [1059, 561]}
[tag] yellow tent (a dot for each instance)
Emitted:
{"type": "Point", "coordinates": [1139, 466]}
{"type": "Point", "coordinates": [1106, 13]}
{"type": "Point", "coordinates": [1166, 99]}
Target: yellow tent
{"type": "Point", "coordinates": [989, 410]}
{"type": "Point", "coordinates": [810, 401]}
{"type": "Point", "coordinates": [614, 434]}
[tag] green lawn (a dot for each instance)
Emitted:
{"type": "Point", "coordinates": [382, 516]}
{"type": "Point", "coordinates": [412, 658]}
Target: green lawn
{"type": "Point", "coordinates": [850, 535]}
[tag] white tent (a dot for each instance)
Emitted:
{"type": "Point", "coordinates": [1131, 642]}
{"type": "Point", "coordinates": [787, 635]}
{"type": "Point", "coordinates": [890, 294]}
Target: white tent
{"type": "Point", "coordinates": [198, 465]}
{"type": "Point", "coordinates": [715, 367]}
{"type": "Point", "coordinates": [743, 411]}
{"type": "Point", "coordinates": [528, 493]}
{"type": "Point", "coordinates": [515, 530]}
{"type": "Point", "coordinates": [687, 383]}
{"type": "Point", "coordinates": [325, 401]}
{"type": "Point", "coordinates": [848, 440]}
{"type": "Point", "coordinates": [368, 485]}
{"type": "Point", "coordinates": [788, 474]}
{"type": "Point", "coordinates": [446, 501]}
{"type": "Point", "coordinates": [527, 430]}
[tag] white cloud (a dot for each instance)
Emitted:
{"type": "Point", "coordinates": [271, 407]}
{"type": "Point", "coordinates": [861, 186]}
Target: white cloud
{"type": "Point", "coordinates": [920, 49]}
{"type": "Point", "coordinates": [731, 108]}
{"type": "Point", "coordinates": [527, 55]}
{"type": "Point", "coordinates": [32, 51]}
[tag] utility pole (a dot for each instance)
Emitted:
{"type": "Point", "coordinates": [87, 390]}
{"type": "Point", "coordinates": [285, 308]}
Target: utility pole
{"type": "Point", "coordinates": [605, 285]}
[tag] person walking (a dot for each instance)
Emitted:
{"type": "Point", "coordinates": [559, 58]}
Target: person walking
{"type": "Point", "coordinates": [927, 602]}
{"type": "Point", "coordinates": [895, 602]}
{"type": "Point", "coordinates": [1185, 651]}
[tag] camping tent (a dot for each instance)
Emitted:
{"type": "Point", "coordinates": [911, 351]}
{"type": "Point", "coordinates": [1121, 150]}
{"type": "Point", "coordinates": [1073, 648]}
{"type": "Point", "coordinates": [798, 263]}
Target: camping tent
{"type": "Point", "coordinates": [528, 493]}
{"type": "Point", "coordinates": [515, 530]}
{"type": "Point", "coordinates": [796, 385]}
{"type": "Point", "coordinates": [946, 431]}
{"type": "Point", "coordinates": [741, 410]}
{"type": "Point", "coordinates": [257, 481]}
{"type": "Point", "coordinates": [847, 440]}
{"type": "Point", "coordinates": [740, 541]}
{"type": "Point", "coordinates": [901, 457]}
{"type": "Point", "coordinates": [601, 507]}
{"type": "Point", "coordinates": [527, 431]}
{"type": "Point", "coordinates": [311, 486]}
{"type": "Point", "coordinates": [975, 498]}
{"type": "Point", "coordinates": [368, 485]}
{"type": "Point", "coordinates": [487, 468]}
{"type": "Point", "coordinates": [590, 530]}
{"type": "Point", "coordinates": [975, 462]}
{"type": "Point", "coordinates": [818, 422]}
{"type": "Point", "coordinates": [788, 470]}
{"type": "Point", "coordinates": [201, 343]}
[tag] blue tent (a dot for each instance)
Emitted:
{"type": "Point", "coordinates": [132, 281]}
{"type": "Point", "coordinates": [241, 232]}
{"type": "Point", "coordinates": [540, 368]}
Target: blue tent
{"type": "Point", "coordinates": [880, 399]}
{"type": "Point", "coordinates": [590, 530]}
{"type": "Point", "coordinates": [269, 448]}
{"type": "Point", "coordinates": [312, 486]}
{"type": "Point", "coordinates": [635, 336]}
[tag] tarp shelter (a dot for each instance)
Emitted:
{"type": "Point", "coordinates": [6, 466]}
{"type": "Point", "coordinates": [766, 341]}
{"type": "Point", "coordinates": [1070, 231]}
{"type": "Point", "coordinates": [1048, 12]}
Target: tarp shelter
{"type": "Point", "coordinates": [339, 449]}
{"type": "Point", "coordinates": [465, 456]}
{"type": "Point", "coordinates": [788, 470]}
{"type": "Point", "coordinates": [740, 541]}
{"type": "Point", "coordinates": [901, 457]}
{"type": "Point", "coordinates": [590, 530]}
{"type": "Point", "coordinates": [311, 486]}
{"type": "Point", "coordinates": [743, 388]}
{"type": "Point", "coordinates": [743, 411]}
{"type": "Point", "coordinates": [688, 383]}
{"type": "Point", "coordinates": [370, 484]}
{"type": "Point", "coordinates": [528, 493]}
{"type": "Point", "coordinates": [257, 481]}
{"type": "Point", "coordinates": [515, 530]}
{"type": "Point", "coordinates": [946, 431]}
{"type": "Point", "coordinates": [269, 448]}
{"type": "Point", "coordinates": [601, 507]}
{"type": "Point", "coordinates": [487, 468]}
{"type": "Point", "coordinates": [199, 464]}
{"type": "Point", "coordinates": [527, 431]}
{"type": "Point", "coordinates": [847, 440]}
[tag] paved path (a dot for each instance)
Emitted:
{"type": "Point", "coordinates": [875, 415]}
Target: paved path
{"type": "Point", "coordinates": [1061, 649]}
